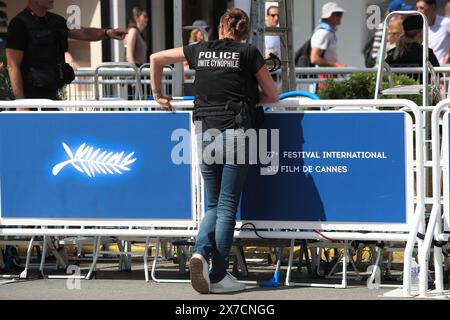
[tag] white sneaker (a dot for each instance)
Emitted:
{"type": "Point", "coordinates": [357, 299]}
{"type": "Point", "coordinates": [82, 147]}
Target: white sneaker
{"type": "Point", "coordinates": [227, 285]}
{"type": "Point", "coordinates": [199, 273]}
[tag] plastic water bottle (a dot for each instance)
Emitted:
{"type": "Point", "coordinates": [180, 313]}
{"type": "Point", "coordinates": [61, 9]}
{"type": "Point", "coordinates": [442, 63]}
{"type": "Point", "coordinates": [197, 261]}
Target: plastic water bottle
{"type": "Point", "coordinates": [415, 271]}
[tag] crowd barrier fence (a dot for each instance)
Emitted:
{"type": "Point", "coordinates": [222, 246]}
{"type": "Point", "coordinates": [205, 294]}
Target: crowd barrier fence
{"type": "Point", "coordinates": [112, 80]}
{"type": "Point", "coordinates": [365, 230]}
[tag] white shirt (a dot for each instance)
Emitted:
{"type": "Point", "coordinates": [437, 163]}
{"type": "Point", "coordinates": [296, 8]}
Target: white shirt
{"type": "Point", "coordinates": [325, 40]}
{"type": "Point", "coordinates": [440, 37]}
{"type": "Point", "coordinates": [273, 45]}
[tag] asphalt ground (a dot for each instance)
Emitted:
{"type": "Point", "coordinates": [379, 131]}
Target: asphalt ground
{"type": "Point", "coordinates": [111, 284]}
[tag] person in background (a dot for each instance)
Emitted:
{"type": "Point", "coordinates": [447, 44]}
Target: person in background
{"type": "Point", "coordinates": [409, 49]}
{"type": "Point", "coordinates": [439, 32]}
{"type": "Point", "coordinates": [324, 40]}
{"type": "Point", "coordinates": [196, 36]}
{"type": "Point", "coordinates": [36, 45]}
{"type": "Point", "coordinates": [135, 44]}
{"type": "Point", "coordinates": [229, 74]}
{"type": "Point", "coordinates": [447, 10]}
{"type": "Point", "coordinates": [372, 47]}
{"type": "Point", "coordinates": [204, 28]}
{"type": "Point", "coordinates": [272, 43]}
{"type": "Point", "coordinates": [394, 32]}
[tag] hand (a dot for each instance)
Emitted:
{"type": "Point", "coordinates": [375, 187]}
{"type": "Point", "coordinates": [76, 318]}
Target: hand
{"type": "Point", "coordinates": [1, 66]}
{"type": "Point", "coordinates": [340, 65]}
{"type": "Point", "coordinates": [117, 34]}
{"type": "Point", "coordinates": [163, 101]}
{"type": "Point", "coordinates": [74, 65]}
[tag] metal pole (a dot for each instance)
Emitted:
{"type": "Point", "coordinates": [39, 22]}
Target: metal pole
{"type": "Point", "coordinates": [115, 23]}
{"type": "Point", "coordinates": [178, 42]}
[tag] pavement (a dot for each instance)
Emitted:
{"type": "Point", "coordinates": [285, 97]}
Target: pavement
{"type": "Point", "coordinates": [112, 284]}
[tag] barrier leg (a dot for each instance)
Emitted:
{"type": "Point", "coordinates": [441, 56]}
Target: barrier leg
{"type": "Point", "coordinates": [438, 263]}
{"type": "Point", "coordinates": [315, 258]}
{"type": "Point", "coordinates": [358, 276]}
{"type": "Point", "coordinates": [301, 254]}
{"type": "Point", "coordinates": [335, 266]}
{"type": "Point", "coordinates": [306, 255]}
{"type": "Point", "coordinates": [438, 270]}
{"type": "Point", "coordinates": [371, 284]}
{"type": "Point", "coordinates": [24, 273]}
{"type": "Point", "coordinates": [344, 266]}
{"type": "Point", "coordinates": [291, 258]}
{"type": "Point", "coordinates": [155, 260]}
{"type": "Point", "coordinates": [97, 243]}
{"type": "Point", "coordinates": [122, 258]}
{"type": "Point", "coordinates": [389, 263]}
{"type": "Point", "coordinates": [128, 255]}
{"type": "Point", "coordinates": [153, 273]}
{"type": "Point", "coordinates": [239, 252]}
{"type": "Point", "coordinates": [146, 259]}
{"type": "Point", "coordinates": [408, 255]}
{"type": "Point", "coordinates": [44, 253]}
{"type": "Point", "coordinates": [2, 262]}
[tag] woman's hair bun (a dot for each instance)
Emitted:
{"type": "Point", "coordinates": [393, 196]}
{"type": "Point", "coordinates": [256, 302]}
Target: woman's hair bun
{"type": "Point", "coordinates": [237, 22]}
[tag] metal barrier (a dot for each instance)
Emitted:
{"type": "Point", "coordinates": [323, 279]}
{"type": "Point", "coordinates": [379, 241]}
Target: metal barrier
{"type": "Point", "coordinates": [286, 231]}
{"type": "Point", "coordinates": [83, 87]}
{"type": "Point", "coordinates": [110, 80]}
{"type": "Point", "coordinates": [97, 224]}
{"type": "Point", "coordinates": [437, 230]}
{"type": "Point", "coordinates": [136, 79]}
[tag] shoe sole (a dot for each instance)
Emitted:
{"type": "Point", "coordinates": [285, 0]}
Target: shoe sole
{"type": "Point", "coordinates": [219, 291]}
{"type": "Point", "coordinates": [198, 281]}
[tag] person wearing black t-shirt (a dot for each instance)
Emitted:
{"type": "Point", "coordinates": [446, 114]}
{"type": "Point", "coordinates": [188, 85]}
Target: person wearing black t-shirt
{"type": "Point", "coordinates": [409, 50]}
{"type": "Point", "coordinates": [36, 44]}
{"type": "Point", "coordinates": [228, 73]}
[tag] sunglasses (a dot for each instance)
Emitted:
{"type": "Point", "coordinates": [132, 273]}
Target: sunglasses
{"type": "Point", "coordinates": [274, 15]}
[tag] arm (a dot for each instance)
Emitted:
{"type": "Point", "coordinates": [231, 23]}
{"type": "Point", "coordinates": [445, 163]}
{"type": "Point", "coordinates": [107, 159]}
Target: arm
{"type": "Point", "coordinates": [131, 44]}
{"type": "Point", "coordinates": [14, 58]}
{"type": "Point", "coordinates": [446, 59]}
{"type": "Point", "coordinates": [316, 58]}
{"type": "Point", "coordinates": [269, 92]}
{"type": "Point", "coordinates": [157, 63]}
{"type": "Point", "coordinates": [70, 60]}
{"type": "Point", "coordinates": [95, 34]}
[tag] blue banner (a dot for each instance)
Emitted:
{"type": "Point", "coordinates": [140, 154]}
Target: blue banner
{"type": "Point", "coordinates": [333, 167]}
{"type": "Point", "coordinates": [93, 166]}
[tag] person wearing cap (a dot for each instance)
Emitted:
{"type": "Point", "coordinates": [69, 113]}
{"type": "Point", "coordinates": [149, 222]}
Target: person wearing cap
{"type": "Point", "coordinates": [272, 42]}
{"type": "Point", "coordinates": [324, 40]}
{"type": "Point", "coordinates": [372, 47]}
{"type": "Point", "coordinates": [439, 32]}
{"type": "Point", "coordinates": [196, 36]}
{"type": "Point", "coordinates": [204, 27]}
{"type": "Point", "coordinates": [409, 50]}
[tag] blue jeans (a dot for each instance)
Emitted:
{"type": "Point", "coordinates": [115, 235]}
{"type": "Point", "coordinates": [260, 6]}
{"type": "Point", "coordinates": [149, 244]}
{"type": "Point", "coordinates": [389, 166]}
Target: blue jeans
{"type": "Point", "coordinates": [223, 183]}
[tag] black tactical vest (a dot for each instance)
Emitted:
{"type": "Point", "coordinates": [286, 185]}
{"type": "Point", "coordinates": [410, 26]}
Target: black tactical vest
{"type": "Point", "coordinates": [44, 56]}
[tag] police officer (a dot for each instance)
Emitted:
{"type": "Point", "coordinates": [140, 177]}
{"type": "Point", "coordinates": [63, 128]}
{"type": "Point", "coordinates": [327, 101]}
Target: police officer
{"type": "Point", "coordinates": [228, 73]}
{"type": "Point", "coordinates": [36, 44]}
